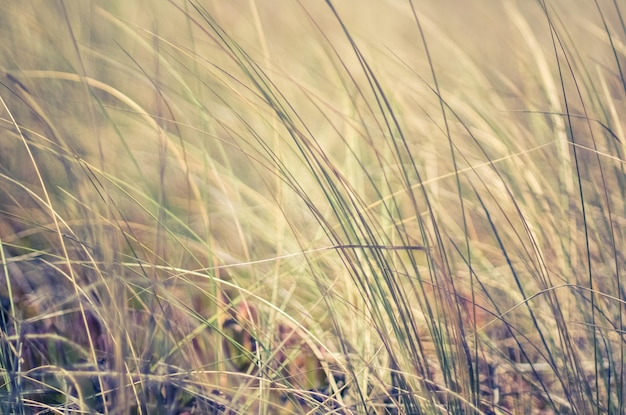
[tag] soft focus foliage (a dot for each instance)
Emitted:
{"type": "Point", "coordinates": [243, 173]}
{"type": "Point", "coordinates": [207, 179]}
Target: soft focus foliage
{"type": "Point", "coordinates": [306, 207]}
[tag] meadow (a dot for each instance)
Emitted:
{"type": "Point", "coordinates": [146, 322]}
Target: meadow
{"type": "Point", "coordinates": [312, 207]}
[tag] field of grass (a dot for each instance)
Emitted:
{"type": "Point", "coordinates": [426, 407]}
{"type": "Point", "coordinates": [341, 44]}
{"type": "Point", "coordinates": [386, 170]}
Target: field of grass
{"type": "Point", "coordinates": [312, 207]}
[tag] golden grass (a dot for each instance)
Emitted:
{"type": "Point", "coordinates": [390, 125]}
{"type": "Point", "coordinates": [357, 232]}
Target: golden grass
{"type": "Point", "coordinates": [308, 207]}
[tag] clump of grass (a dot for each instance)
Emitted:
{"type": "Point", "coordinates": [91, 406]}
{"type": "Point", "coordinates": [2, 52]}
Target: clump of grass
{"type": "Point", "coordinates": [396, 209]}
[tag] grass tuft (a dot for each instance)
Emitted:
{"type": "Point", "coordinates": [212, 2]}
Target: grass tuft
{"type": "Point", "coordinates": [306, 207]}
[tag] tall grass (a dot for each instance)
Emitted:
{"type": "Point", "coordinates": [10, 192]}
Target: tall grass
{"type": "Point", "coordinates": [312, 207]}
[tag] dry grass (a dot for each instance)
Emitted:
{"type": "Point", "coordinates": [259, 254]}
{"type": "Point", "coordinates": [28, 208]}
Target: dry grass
{"type": "Point", "coordinates": [307, 207]}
